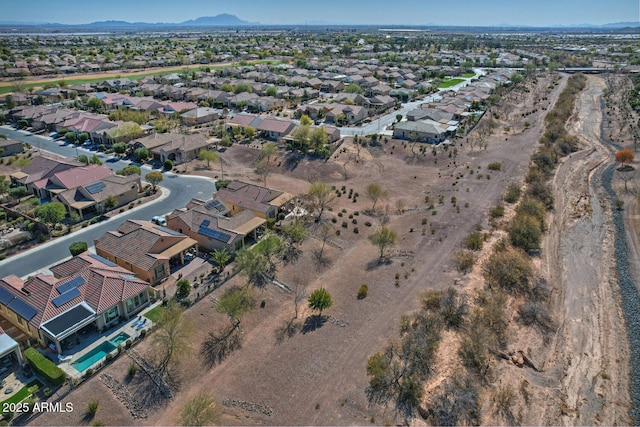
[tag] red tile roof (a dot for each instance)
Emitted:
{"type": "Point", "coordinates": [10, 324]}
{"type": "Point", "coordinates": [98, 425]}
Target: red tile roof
{"type": "Point", "coordinates": [76, 177]}
{"type": "Point", "coordinates": [102, 287]}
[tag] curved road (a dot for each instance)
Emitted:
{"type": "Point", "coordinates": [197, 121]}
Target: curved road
{"type": "Point", "coordinates": [180, 188]}
{"type": "Point", "coordinates": [177, 189]}
{"type": "Point", "coordinates": [379, 126]}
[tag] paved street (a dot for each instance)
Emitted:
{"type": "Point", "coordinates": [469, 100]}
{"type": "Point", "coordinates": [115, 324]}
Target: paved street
{"type": "Point", "coordinates": [178, 189]}
{"type": "Point", "coordinates": [378, 126]}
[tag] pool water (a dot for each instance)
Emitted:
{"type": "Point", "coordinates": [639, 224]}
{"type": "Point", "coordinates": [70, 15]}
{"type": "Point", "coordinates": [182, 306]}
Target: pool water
{"type": "Point", "coordinates": [93, 357]}
{"type": "Point", "coordinates": [120, 338]}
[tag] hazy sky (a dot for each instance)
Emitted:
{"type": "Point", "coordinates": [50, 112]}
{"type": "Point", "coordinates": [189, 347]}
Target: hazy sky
{"type": "Point", "coordinates": [411, 12]}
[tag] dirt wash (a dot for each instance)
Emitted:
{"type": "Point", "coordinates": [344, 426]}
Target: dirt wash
{"type": "Point", "coordinates": [585, 375]}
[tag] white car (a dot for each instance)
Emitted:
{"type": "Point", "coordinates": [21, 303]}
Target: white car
{"type": "Point", "coordinates": [159, 220]}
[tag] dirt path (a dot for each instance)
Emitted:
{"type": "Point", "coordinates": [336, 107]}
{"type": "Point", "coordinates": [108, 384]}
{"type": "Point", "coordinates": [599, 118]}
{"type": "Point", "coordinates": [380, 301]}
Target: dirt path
{"type": "Point", "coordinates": [589, 353]}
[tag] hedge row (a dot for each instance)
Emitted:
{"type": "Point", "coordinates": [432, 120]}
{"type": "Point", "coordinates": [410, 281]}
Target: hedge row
{"type": "Point", "coordinates": [44, 366]}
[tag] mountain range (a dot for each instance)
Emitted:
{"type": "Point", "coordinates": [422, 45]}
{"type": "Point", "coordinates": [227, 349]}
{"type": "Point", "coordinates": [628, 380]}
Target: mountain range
{"type": "Point", "coordinates": [228, 20]}
{"type": "Point", "coordinates": [221, 20]}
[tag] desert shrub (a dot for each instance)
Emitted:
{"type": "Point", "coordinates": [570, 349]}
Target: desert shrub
{"type": "Point", "coordinates": [545, 161]}
{"type": "Point", "coordinates": [525, 232]}
{"type": "Point", "coordinates": [92, 407]}
{"type": "Point", "coordinates": [362, 292]}
{"type": "Point", "coordinates": [533, 207]}
{"type": "Point", "coordinates": [534, 175]}
{"type": "Point", "coordinates": [430, 299]}
{"type": "Point", "coordinates": [474, 241]}
{"type": "Point", "coordinates": [512, 194]}
{"type": "Point", "coordinates": [495, 166]}
{"type": "Point", "coordinates": [510, 270]}
{"type": "Point", "coordinates": [132, 370]}
{"type": "Point", "coordinates": [458, 403]}
{"type": "Point", "coordinates": [536, 313]}
{"type": "Point", "coordinates": [453, 308]}
{"type": "Point", "coordinates": [486, 332]}
{"type": "Point", "coordinates": [541, 191]}
{"type": "Point", "coordinates": [496, 212]}
{"type": "Point", "coordinates": [463, 260]}
{"type": "Point", "coordinates": [400, 370]}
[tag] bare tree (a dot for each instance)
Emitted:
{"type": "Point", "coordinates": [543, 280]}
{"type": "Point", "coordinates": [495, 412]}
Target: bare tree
{"type": "Point", "coordinates": [627, 175]}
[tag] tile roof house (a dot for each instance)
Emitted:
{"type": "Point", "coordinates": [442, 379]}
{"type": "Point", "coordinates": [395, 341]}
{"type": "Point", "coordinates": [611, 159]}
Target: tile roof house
{"type": "Point", "coordinates": [262, 201]}
{"type": "Point", "coordinates": [147, 249]}
{"type": "Point", "coordinates": [425, 131]}
{"type": "Point", "coordinates": [352, 113]}
{"type": "Point", "coordinates": [87, 199]}
{"type": "Point", "coordinates": [178, 148]}
{"type": "Point", "coordinates": [200, 115]}
{"type": "Point", "coordinates": [41, 168]}
{"type": "Point", "coordinates": [275, 129]}
{"type": "Point", "coordinates": [49, 187]}
{"type": "Point", "coordinates": [204, 221]}
{"type": "Point", "coordinates": [86, 291]}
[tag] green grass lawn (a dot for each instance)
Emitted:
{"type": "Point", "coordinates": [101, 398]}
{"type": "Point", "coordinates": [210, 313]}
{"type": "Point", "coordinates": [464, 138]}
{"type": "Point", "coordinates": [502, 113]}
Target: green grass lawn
{"type": "Point", "coordinates": [154, 313]}
{"type": "Point", "coordinates": [22, 393]}
{"type": "Point", "coordinates": [449, 83]}
{"type": "Point", "coordinates": [7, 87]}
{"type": "Point", "coordinates": [468, 75]}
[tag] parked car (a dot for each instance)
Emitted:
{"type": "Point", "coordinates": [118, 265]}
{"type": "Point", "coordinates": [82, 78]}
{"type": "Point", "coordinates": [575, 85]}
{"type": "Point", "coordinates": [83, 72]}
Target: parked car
{"type": "Point", "coordinates": [159, 220]}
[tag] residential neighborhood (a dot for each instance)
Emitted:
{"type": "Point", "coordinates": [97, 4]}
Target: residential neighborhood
{"type": "Point", "coordinates": [316, 224]}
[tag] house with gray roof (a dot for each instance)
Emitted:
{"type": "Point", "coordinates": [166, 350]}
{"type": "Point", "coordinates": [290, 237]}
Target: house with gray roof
{"type": "Point", "coordinates": [424, 130]}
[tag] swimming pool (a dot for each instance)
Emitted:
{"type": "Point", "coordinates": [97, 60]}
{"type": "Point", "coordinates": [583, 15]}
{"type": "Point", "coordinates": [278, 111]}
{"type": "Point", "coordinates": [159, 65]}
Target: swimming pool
{"type": "Point", "coordinates": [120, 338]}
{"type": "Point", "coordinates": [93, 357]}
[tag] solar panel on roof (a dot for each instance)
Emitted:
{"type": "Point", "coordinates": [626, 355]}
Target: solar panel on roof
{"type": "Point", "coordinates": [168, 230]}
{"type": "Point", "coordinates": [215, 204]}
{"type": "Point", "coordinates": [96, 187]}
{"type": "Point", "coordinates": [214, 234]}
{"type": "Point", "coordinates": [205, 223]}
{"type": "Point", "coordinates": [103, 260]}
{"type": "Point", "coordinates": [66, 297]}
{"type": "Point", "coordinates": [5, 296]}
{"type": "Point", "coordinates": [23, 309]}
{"type": "Point", "coordinates": [73, 283]}
{"type": "Point", "coordinates": [128, 277]}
